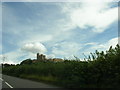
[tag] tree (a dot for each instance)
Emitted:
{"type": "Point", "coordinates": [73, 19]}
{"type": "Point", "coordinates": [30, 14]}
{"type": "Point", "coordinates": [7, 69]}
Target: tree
{"type": "Point", "coordinates": [27, 61]}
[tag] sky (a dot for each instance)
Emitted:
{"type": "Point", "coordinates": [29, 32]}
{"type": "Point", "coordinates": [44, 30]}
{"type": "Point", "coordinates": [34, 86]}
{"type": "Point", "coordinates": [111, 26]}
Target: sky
{"type": "Point", "coordinates": [57, 29]}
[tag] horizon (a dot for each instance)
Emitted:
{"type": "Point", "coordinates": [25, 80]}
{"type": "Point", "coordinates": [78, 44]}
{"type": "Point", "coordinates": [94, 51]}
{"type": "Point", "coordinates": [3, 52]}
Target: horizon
{"type": "Point", "coordinates": [61, 30]}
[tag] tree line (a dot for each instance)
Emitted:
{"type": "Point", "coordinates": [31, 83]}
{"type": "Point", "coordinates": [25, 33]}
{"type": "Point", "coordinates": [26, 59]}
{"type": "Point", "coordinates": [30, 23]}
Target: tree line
{"type": "Point", "coordinates": [99, 70]}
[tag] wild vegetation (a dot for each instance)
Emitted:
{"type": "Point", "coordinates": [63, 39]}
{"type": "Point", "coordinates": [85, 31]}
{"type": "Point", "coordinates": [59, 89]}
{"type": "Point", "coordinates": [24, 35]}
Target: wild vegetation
{"type": "Point", "coordinates": [99, 70]}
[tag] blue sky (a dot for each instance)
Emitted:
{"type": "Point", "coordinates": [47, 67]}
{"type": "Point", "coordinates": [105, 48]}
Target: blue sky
{"type": "Point", "coordinates": [60, 30]}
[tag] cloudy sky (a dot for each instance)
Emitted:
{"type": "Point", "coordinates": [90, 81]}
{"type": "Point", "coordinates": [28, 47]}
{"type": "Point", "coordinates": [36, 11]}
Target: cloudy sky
{"type": "Point", "coordinates": [57, 29]}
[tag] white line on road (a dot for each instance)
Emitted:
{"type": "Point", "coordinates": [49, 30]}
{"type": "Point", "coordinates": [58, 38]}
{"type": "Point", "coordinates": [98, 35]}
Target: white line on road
{"type": "Point", "coordinates": [9, 85]}
{"type": "Point", "coordinates": [1, 79]}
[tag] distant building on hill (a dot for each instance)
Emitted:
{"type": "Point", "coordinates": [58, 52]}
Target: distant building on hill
{"type": "Point", "coordinates": [57, 59]}
{"type": "Point", "coordinates": [41, 57]}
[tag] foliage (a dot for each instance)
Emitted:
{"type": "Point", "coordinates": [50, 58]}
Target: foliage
{"type": "Point", "coordinates": [27, 61]}
{"type": "Point", "coordinates": [99, 70]}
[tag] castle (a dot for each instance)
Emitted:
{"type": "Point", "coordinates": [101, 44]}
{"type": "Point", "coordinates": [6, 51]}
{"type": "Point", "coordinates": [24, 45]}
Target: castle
{"type": "Point", "coordinates": [41, 57]}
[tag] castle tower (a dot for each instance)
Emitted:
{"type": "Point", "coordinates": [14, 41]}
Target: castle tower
{"type": "Point", "coordinates": [37, 56]}
{"type": "Point", "coordinates": [41, 57]}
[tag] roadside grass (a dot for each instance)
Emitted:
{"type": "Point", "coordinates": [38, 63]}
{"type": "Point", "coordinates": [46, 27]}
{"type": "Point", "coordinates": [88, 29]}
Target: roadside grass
{"type": "Point", "coordinates": [45, 79]}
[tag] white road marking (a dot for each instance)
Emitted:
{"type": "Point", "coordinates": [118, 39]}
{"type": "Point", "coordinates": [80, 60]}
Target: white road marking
{"type": "Point", "coordinates": [1, 79]}
{"type": "Point", "coordinates": [9, 85]}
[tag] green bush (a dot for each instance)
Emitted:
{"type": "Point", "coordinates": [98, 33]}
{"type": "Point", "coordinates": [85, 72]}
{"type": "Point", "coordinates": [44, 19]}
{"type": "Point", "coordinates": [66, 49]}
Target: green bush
{"type": "Point", "coordinates": [100, 70]}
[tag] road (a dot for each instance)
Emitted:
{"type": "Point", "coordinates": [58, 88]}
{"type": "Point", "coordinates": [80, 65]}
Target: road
{"type": "Point", "coordinates": [14, 82]}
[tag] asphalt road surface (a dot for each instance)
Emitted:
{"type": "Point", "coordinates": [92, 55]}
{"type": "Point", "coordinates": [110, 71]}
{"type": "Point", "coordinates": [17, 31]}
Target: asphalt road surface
{"type": "Point", "coordinates": [13, 82]}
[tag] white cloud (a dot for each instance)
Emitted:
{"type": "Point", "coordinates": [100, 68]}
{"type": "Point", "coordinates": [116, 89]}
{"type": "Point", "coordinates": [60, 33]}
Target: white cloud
{"type": "Point", "coordinates": [104, 46]}
{"type": "Point", "coordinates": [1, 58]}
{"type": "Point", "coordinates": [9, 62]}
{"type": "Point", "coordinates": [12, 57]}
{"type": "Point", "coordinates": [36, 47]}
{"type": "Point", "coordinates": [91, 43]}
{"type": "Point", "coordinates": [36, 38]}
{"type": "Point", "coordinates": [98, 15]}
{"type": "Point", "coordinates": [66, 49]}
{"type": "Point", "coordinates": [113, 42]}
{"type": "Point", "coordinates": [34, 30]}
{"type": "Point", "coordinates": [50, 56]}
{"type": "Point", "coordinates": [15, 57]}
{"type": "Point", "coordinates": [0, 46]}
{"type": "Point", "coordinates": [99, 46]}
